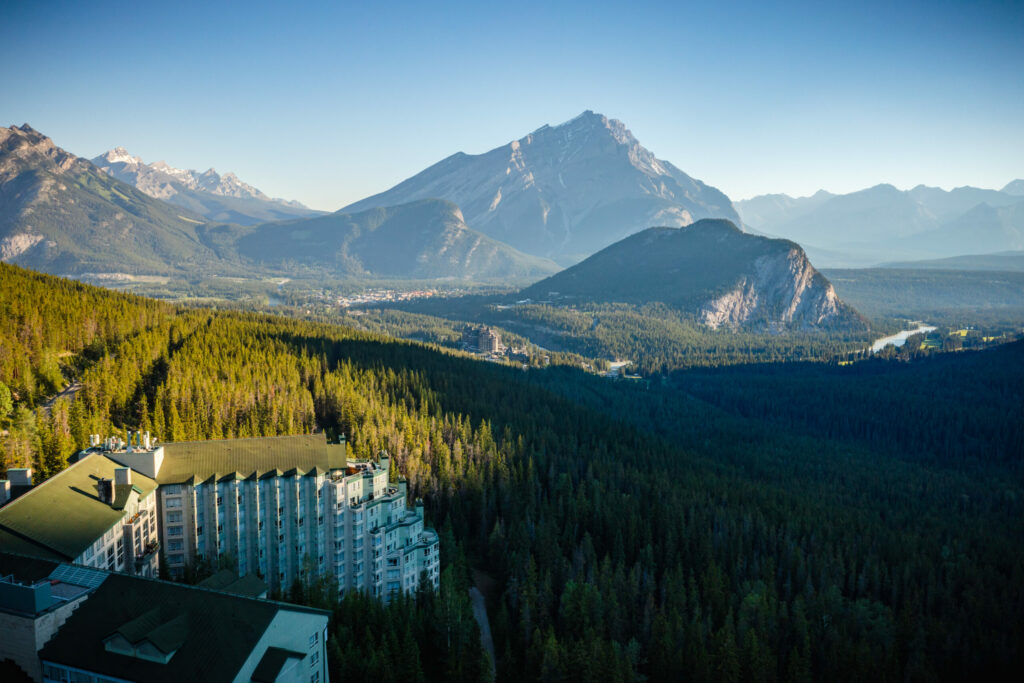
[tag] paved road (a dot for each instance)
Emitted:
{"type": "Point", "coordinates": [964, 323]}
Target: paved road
{"type": "Point", "coordinates": [69, 392]}
{"type": "Point", "coordinates": [480, 614]}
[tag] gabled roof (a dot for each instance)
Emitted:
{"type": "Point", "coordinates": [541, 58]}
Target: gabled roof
{"type": "Point", "coordinates": [227, 581]}
{"type": "Point", "coordinates": [227, 459]}
{"type": "Point", "coordinates": [164, 627]}
{"type": "Point", "coordinates": [210, 633]}
{"type": "Point", "coordinates": [64, 515]}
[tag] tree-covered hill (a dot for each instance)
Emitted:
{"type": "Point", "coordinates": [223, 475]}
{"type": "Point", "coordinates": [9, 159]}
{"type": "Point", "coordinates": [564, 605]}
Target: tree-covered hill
{"type": "Point", "coordinates": [711, 271]}
{"type": "Point", "coordinates": [632, 530]}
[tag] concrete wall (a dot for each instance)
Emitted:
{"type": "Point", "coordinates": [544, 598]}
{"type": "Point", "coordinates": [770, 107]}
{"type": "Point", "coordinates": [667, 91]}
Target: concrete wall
{"type": "Point", "coordinates": [23, 636]}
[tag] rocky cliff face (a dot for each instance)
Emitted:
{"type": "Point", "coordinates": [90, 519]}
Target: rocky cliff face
{"type": "Point", "coordinates": [565, 191]}
{"type": "Point", "coordinates": [783, 290]}
{"type": "Point", "coordinates": [709, 270]}
{"type": "Point", "coordinates": [208, 193]}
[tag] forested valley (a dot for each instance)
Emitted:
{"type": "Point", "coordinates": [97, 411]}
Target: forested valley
{"type": "Point", "coordinates": [753, 523]}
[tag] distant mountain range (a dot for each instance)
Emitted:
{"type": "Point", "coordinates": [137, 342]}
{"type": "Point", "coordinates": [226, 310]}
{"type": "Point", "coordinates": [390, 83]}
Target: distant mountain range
{"type": "Point", "coordinates": [563, 192]}
{"type": "Point", "coordinates": [61, 214]}
{"type": "Point", "coordinates": [883, 223]}
{"type": "Point", "coordinates": [222, 198]}
{"type": "Point", "coordinates": [1003, 261]}
{"type": "Point", "coordinates": [424, 240]}
{"type": "Point", "coordinates": [709, 269]}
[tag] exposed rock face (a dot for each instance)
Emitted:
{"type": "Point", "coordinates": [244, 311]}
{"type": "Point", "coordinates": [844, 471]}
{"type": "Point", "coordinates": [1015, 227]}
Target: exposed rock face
{"type": "Point", "coordinates": [711, 270]}
{"type": "Point", "coordinates": [217, 197]}
{"type": "Point", "coordinates": [60, 214]}
{"type": "Point", "coordinates": [563, 192]}
{"type": "Point", "coordinates": [784, 289]}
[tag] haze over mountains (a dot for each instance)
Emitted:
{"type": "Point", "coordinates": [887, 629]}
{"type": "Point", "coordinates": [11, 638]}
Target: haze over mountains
{"type": "Point", "coordinates": [565, 191]}
{"type": "Point", "coordinates": [561, 194]}
{"type": "Point", "coordinates": [60, 214]}
{"type": "Point", "coordinates": [883, 223]}
{"type": "Point", "coordinates": [218, 197]}
{"type": "Point", "coordinates": [709, 269]}
{"type": "Point", "coordinates": [424, 239]}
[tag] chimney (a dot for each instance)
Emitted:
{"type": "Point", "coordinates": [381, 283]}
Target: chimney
{"type": "Point", "coordinates": [123, 476]}
{"type": "Point", "coordinates": [5, 491]}
{"type": "Point", "coordinates": [106, 491]}
{"type": "Point", "coordinates": [20, 476]}
{"type": "Point", "coordinates": [145, 441]}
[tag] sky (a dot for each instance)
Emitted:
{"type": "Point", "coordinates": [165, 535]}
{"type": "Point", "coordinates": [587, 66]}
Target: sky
{"type": "Point", "coordinates": [328, 103]}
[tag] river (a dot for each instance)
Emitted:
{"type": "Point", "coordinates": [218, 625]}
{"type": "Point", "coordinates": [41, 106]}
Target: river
{"type": "Point", "coordinates": [900, 338]}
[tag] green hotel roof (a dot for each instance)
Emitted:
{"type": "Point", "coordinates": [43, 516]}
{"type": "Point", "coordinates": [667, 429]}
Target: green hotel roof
{"type": "Point", "coordinates": [211, 633]}
{"type": "Point", "coordinates": [243, 458]}
{"type": "Point", "coordinates": [64, 515]}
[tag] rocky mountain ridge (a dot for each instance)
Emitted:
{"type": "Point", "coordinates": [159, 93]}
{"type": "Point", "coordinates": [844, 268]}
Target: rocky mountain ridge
{"type": "Point", "coordinates": [208, 193]}
{"type": "Point", "coordinates": [563, 191]}
{"type": "Point", "coordinates": [883, 223]}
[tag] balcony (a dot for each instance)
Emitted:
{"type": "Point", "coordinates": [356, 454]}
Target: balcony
{"type": "Point", "coordinates": [151, 549]}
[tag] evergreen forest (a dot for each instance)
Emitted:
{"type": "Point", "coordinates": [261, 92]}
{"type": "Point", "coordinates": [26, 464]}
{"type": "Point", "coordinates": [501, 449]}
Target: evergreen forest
{"type": "Point", "coordinates": [756, 522]}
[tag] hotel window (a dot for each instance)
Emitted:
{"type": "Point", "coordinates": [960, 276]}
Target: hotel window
{"type": "Point", "coordinates": [314, 639]}
{"type": "Point", "coordinates": [174, 531]}
{"type": "Point", "coordinates": [220, 500]}
{"type": "Point", "coordinates": [175, 545]}
{"type": "Point", "coordinates": [173, 517]}
{"type": "Point", "coordinates": [172, 502]}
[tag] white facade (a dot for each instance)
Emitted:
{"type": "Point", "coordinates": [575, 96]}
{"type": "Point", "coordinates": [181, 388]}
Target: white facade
{"type": "Point", "coordinates": [292, 525]}
{"type": "Point", "coordinates": [131, 545]}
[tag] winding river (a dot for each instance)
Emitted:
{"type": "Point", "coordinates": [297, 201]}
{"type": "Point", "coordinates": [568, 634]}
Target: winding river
{"type": "Point", "coordinates": [900, 338]}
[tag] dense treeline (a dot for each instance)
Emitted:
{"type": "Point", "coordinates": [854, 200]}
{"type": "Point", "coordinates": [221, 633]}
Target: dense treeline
{"type": "Point", "coordinates": [631, 529]}
{"type": "Point", "coordinates": [655, 337]}
{"type": "Point", "coordinates": [887, 405]}
{"type": "Point", "coordinates": [45, 321]}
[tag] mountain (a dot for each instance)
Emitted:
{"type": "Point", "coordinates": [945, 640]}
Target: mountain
{"type": "Point", "coordinates": [423, 239]}
{"type": "Point", "coordinates": [217, 197]}
{"type": "Point", "coordinates": [983, 229]}
{"type": "Point", "coordinates": [60, 214]}
{"type": "Point", "coordinates": [1015, 187]}
{"type": "Point", "coordinates": [563, 192]}
{"type": "Point", "coordinates": [709, 269]}
{"type": "Point", "coordinates": [883, 223]}
{"type": "Point", "coordinates": [1002, 261]}
{"type": "Point", "coordinates": [769, 209]}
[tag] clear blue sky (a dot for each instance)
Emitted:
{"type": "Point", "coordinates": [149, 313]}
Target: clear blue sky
{"type": "Point", "coordinates": [329, 103]}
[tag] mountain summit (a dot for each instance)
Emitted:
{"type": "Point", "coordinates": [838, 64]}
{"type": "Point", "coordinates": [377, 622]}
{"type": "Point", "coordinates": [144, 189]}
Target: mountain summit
{"type": "Point", "coordinates": [563, 191]}
{"type": "Point", "coordinates": [208, 193]}
{"type": "Point", "coordinates": [60, 214]}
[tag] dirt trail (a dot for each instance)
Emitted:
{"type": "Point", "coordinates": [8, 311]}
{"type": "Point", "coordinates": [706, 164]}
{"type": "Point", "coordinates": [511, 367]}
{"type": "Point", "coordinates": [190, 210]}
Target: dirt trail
{"type": "Point", "coordinates": [476, 595]}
